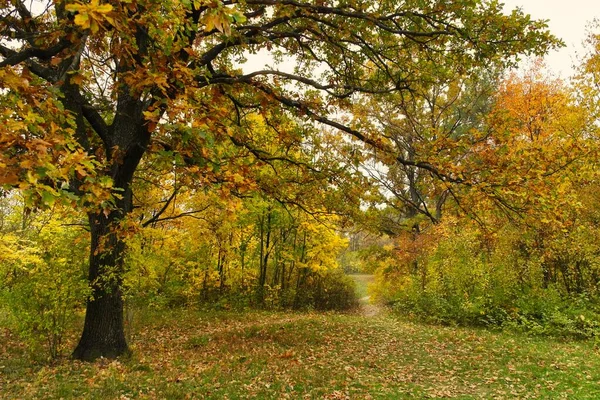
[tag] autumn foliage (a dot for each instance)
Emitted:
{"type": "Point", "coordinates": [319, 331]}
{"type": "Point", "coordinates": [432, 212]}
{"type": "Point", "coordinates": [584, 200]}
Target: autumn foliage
{"type": "Point", "coordinates": [137, 113]}
{"type": "Point", "coordinates": [516, 247]}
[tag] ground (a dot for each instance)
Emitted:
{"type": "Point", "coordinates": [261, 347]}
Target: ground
{"type": "Point", "coordinates": [181, 354]}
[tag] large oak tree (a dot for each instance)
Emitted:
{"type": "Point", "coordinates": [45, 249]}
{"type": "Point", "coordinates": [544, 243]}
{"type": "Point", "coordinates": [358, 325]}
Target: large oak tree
{"type": "Point", "coordinates": [88, 89]}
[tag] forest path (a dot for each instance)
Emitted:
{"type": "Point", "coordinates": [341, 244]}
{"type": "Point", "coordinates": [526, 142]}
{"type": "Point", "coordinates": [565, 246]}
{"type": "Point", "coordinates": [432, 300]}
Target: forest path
{"type": "Point", "coordinates": [367, 308]}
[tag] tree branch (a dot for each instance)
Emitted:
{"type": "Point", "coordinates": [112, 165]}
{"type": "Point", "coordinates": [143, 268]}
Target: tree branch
{"type": "Point", "coordinates": [183, 214]}
{"type": "Point", "coordinates": [14, 58]}
{"type": "Point", "coordinates": [156, 217]}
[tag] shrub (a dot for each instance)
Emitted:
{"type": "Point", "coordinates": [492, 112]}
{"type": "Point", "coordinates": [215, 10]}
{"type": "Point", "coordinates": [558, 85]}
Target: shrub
{"type": "Point", "coordinates": [466, 279]}
{"type": "Point", "coordinates": [46, 285]}
{"type": "Point", "coordinates": [327, 290]}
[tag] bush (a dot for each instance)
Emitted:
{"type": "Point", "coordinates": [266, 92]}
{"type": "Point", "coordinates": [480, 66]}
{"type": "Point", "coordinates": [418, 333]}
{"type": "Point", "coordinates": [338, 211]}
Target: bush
{"type": "Point", "coordinates": [546, 312]}
{"type": "Point", "coordinates": [44, 304]}
{"type": "Point", "coordinates": [46, 285]}
{"type": "Point", "coordinates": [465, 280]}
{"type": "Point", "coordinates": [328, 290]}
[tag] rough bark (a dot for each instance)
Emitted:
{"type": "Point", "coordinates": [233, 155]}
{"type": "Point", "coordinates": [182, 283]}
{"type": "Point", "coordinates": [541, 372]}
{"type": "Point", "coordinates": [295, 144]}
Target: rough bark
{"type": "Point", "coordinates": [103, 333]}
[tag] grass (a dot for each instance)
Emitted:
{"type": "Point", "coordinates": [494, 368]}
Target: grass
{"type": "Point", "coordinates": [185, 354]}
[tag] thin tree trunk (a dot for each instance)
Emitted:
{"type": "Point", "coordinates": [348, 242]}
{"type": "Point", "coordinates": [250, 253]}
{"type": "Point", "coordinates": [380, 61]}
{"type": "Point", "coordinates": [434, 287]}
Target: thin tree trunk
{"type": "Point", "coordinates": [220, 268]}
{"type": "Point", "coordinates": [265, 243]}
{"type": "Point", "coordinates": [301, 273]}
{"type": "Point", "coordinates": [243, 264]}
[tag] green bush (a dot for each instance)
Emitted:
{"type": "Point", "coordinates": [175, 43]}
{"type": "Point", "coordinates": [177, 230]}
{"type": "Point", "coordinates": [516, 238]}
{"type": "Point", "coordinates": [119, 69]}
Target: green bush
{"type": "Point", "coordinates": [460, 281]}
{"type": "Point", "coordinates": [546, 312]}
{"type": "Point", "coordinates": [539, 312]}
{"type": "Point", "coordinates": [46, 285]}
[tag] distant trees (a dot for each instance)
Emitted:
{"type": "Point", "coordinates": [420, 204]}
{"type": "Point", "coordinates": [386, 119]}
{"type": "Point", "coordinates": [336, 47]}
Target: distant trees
{"type": "Point", "coordinates": [517, 248]}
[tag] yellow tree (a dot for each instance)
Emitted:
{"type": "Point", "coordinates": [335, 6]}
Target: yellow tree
{"type": "Point", "coordinates": [535, 145]}
{"type": "Point", "coordinates": [528, 167]}
{"type": "Point", "coordinates": [530, 171]}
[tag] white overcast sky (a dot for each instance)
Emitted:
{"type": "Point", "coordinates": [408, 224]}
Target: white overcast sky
{"type": "Point", "coordinates": [567, 19]}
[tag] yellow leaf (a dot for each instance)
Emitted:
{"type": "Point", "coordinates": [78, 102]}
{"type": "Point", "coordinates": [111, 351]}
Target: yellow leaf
{"type": "Point", "coordinates": [110, 20]}
{"type": "Point", "coordinates": [104, 8]}
{"type": "Point", "coordinates": [94, 27]}
{"type": "Point", "coordinates": [74, 7]}
{"type": "Point", "coordinates": [209, 23]}
{"type": "Point", "coordinates": [82, 20]}
{"type": "Point", "coordinates": [77, 79]}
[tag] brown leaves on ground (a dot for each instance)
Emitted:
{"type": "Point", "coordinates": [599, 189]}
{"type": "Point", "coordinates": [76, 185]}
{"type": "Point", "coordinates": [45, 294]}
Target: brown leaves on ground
{"type": "Point", "coordinates": [189, 354]}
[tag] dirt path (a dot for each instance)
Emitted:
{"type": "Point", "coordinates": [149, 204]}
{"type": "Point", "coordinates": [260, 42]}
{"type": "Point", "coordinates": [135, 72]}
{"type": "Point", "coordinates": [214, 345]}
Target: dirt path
{"type": "Point", "coordinates": [368, 309]}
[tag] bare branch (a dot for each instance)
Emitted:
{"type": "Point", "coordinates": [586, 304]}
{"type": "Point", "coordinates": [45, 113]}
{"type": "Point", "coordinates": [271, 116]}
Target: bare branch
{"type": "Point", "coordinates": [14, 58]}
{"type": "Point", "coordinates": [191, 214]}
{"type": "Point", "coordinates": [156, 217]}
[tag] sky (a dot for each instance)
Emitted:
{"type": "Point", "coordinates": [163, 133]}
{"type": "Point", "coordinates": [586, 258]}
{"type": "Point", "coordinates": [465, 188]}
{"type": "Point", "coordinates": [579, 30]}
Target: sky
{"type": "Point", "coordinates": [567, 19]}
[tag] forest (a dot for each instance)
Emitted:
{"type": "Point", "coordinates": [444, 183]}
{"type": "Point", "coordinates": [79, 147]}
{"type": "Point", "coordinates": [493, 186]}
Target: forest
{"type": "Point", "coordinates": [296, 199]}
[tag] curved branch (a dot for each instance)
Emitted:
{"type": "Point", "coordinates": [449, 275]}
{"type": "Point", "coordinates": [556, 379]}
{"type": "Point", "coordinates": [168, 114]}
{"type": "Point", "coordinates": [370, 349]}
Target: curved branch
{"type": "Point", "coordinates": [302, 107]}
{"type": "Point", "coordinates": [160, 212]}
{"type": "Point", "coordinates": [349, 89]}
{"type": "Point", "coordinates": [13, 58]}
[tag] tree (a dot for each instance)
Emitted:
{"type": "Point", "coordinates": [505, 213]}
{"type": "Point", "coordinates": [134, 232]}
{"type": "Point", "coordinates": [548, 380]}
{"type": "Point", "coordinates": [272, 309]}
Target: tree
{"type": "Point", "coordinates": [430, 123]}
{"type": "Point", "coordinates": [534, 142]}
{"type": "Point", "coordinates": [587, 80]}
{"type": "Point", "coordinates": [530, 168]}
{"type": "Point", "coordinates": [90, 89]}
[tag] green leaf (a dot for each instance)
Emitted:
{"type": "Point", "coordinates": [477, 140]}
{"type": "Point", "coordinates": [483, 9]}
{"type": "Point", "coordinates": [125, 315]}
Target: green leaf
{"type": "Point", "coordinates": [48, 198]}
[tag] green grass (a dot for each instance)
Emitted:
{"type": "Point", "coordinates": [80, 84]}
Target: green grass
{"type": "Point", "coordinates": [264, 355]}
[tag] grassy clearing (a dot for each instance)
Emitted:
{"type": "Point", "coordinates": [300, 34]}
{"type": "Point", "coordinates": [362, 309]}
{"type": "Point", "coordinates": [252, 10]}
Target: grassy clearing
{"type": "Point", "coordinates": [190, 354]}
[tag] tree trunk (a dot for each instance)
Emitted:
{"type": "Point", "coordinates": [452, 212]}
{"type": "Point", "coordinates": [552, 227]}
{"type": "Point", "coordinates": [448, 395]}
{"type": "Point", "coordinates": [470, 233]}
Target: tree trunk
{"type": "Point", "coordinates": [103, 331]}
{"type": "Point", "coordinates": [265, 243]}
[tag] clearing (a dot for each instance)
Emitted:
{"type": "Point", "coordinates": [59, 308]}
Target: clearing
{"type": "Point", "coordinates": [181, 354]}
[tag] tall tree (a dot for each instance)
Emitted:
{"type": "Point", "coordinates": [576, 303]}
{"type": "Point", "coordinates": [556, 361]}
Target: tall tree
{"type": "Point", "coordinates": [90, 88]}
{"type": "Point", "coordinates": [433, 122]}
